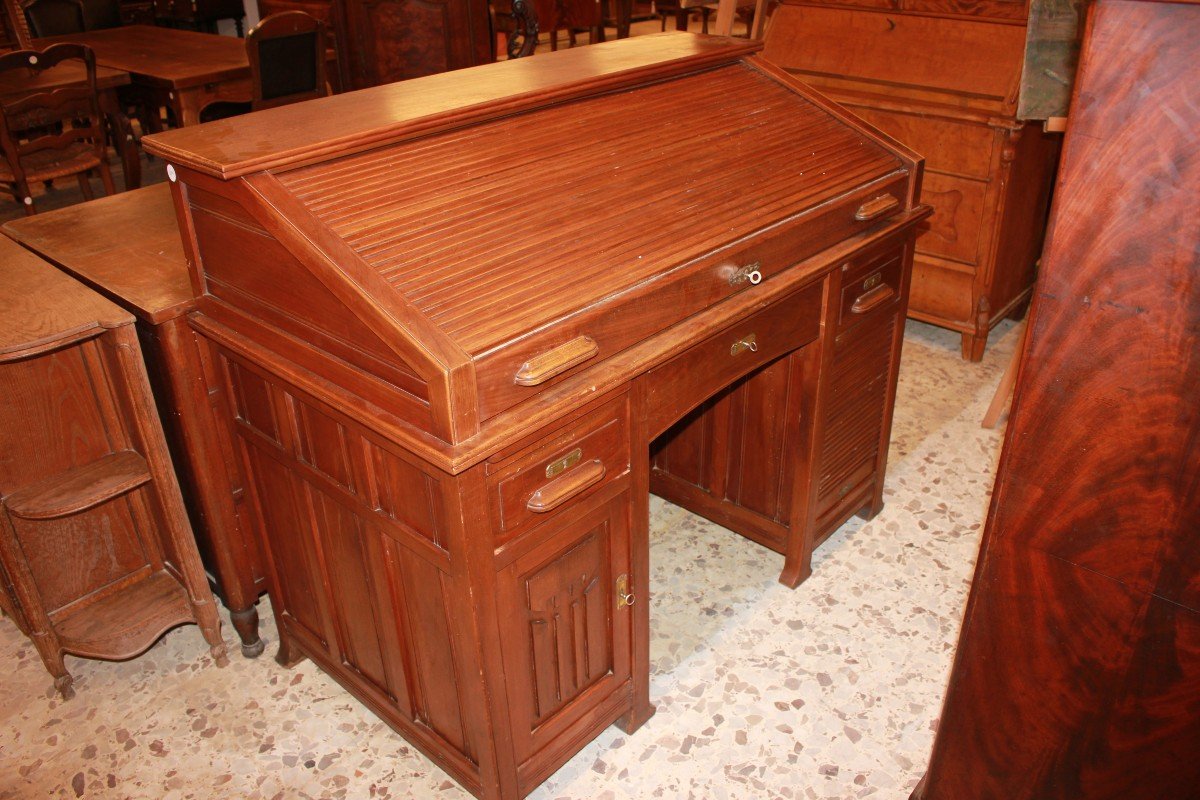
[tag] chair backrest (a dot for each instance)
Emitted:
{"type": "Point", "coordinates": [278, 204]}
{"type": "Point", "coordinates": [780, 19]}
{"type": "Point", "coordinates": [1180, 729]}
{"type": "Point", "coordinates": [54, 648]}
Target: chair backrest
{"type": "Point", "coordinates": [17, 25]}
{"type": "Point", "coordinates": [50, 118]}
{"type": "Point", "coordinates": [54, 17]}
{"type": "Point", "coordinates": [287, 59]}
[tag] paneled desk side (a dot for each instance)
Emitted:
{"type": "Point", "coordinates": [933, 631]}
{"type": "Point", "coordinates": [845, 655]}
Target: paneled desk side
{"type": "Point", "coordinates": [449, 460]}
{"type": "Point", "coordinates": [127, 248]}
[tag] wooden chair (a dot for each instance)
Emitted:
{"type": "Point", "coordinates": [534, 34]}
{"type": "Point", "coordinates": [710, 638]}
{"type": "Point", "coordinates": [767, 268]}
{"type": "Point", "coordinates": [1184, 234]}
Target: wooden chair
{"type": "Point", "coordinates": [53, 134]}
{"type": "Point", "coordinates": [54, 17]}
{"type": "Point", "coordinates": [287, 59]}
{"type": "Point", "coordinates": [287, 64]}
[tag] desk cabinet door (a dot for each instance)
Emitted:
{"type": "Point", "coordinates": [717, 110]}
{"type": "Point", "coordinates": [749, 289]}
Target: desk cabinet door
{"type": "Point", "coordinates": [565, 641]}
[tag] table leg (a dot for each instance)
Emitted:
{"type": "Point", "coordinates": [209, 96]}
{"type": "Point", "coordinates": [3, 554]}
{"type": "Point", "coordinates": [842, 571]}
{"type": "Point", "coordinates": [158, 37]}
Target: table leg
{"type": "Point", "coordinates": [123, 141]}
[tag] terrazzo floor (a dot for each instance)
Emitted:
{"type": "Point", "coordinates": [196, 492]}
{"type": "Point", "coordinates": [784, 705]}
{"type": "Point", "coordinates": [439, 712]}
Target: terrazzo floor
{"type": "Point", "coordinates": [829, 691]}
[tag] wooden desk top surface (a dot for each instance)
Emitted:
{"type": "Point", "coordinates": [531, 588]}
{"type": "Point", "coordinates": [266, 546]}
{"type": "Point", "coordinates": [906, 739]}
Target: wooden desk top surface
{"type": "Point", "coordinates": [168, 57]}
{"type": "Point", "coordinates": [62, 75]}
{"type": "Point", "coordinates": [40, 306]}
{"type": "Point", "coordinates": [126, 246]}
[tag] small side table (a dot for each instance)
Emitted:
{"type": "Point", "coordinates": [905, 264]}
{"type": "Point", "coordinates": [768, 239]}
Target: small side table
{"type": "Point", "coordinates": [96, 555]}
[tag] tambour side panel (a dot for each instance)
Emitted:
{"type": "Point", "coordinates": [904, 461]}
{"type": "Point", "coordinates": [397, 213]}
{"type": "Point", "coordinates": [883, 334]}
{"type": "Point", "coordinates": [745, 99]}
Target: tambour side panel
{"type": "Point", "coordinates": [628, 185]}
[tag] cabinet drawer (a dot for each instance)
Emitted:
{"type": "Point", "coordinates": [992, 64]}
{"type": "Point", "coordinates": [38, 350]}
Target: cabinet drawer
{"type": "Point", "coordinates": [702, 370]}
{"type": "Point", "coordinates": [871, 289]}
{"type": "Point", "coordinates": [532, 485]}
{"type": "Point", "coordinates": [957, 222]}
{"type": "Point", "coordinates": [960, 148]}
{"type": "Point", "coordinates": [941, 293]}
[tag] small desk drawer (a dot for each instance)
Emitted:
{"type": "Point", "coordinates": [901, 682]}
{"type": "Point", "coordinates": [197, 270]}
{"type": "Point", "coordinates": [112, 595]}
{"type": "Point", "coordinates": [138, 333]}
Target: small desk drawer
{"type": "Point", "coordinates": [871, 288]}
{"type": "Point", "coordinates": [532, 485]}
{"type": "Point", "coordinates": [674, 388]}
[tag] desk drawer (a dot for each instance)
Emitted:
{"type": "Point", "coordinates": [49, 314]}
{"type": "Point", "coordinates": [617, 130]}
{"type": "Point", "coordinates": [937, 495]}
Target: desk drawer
{"type": "Point", "coordinates": [871, 289]}
{"type": "Point", "coordinates": [674, 388]}
{"type": "Point", "coordinates": [534, 484]}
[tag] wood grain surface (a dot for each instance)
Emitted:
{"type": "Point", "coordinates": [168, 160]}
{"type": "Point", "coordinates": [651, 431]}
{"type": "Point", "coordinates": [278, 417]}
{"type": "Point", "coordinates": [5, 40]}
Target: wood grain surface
{"type": "Point", "coordinates": [1078, 671]}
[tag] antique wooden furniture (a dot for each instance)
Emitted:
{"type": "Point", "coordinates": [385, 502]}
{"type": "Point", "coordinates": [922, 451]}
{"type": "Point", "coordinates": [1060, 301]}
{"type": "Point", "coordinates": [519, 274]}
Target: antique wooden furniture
{"type": "Point", "coordinates": [382, 41]}
{"type": "Point", "coordinates": [96, 556]}
{"type": "Point", "coordinates": [53, 17]}
{"type": "Point", "coordinates": [46, 135]}
{"type": "Point", "coordinates": [287, 59]}
{"type": "Point", "coordinates": [127, 248]}
{"type": "Point", "coordinates": [182, 70]}
{"type": "Point", "coordinates": [445, 386]}
{"type": "Point", "coordinates": [108, 83]}
{"type": "Point", "coordinates": [942, 77]}
{"type": "Point", "coordinates": [14, 27]}
{"type": "Point", "coordinates": [199, 14]}
{"type": "Point", "coordinates": [1078, 669]}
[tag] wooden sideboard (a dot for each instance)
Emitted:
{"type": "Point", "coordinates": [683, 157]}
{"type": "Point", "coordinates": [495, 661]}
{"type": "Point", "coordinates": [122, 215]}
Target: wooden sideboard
{"type": "Point", "coordinates": [127, 248]}
{"type": "Point", "coordinates": [446, 382]}
{"type": "Point", "coordinates": [382, 41]}
{"type": "Point", "coordinates": [96, 555]}
{"type": "Point", "coordinates": [942, 77]}
{"type": "Point", "coordinates": [1078, 668]}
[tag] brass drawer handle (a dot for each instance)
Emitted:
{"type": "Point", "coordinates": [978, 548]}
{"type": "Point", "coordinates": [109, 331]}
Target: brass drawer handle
{"type": "Point", "coordinates": [745, 343]}
{"type": "Point", "coordinates": [872, 298]}
{"type": "Point", "coordinates": [542, 368]}
{"type": "Point", "coordinates": [876, 208]}
{"type": "Point", "coordinates": [563, 488]}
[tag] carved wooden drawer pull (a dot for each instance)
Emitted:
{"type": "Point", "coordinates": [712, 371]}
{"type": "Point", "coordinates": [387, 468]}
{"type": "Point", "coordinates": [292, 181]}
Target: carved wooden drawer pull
{"type": "Point", "coordinates": [879, 207]}
{"type": "Point", "coordinates": [872, 298]}
{"type": "Point", "coordinates": [563, 488]}
{"type": "Point", "coordinates": [542, 368]}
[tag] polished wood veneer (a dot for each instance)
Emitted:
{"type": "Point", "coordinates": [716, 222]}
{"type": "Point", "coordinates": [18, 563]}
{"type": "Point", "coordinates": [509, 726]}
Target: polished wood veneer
{"type": "Point", "coordinates": [445, 387]}
{"type": "Point", "coordinates": [1078, 668]}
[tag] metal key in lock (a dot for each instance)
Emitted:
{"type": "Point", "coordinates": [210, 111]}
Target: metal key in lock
{"type": "Point", "coordinates": [749, 342]}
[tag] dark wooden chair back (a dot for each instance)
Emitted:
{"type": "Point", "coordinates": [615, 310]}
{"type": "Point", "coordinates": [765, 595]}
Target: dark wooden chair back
{"type": "Point", "coordinates": [56, 132]}
{"type": "Point", "coordinates": [287, 59]}
{"type": "Point", "coordinates": [54, 17]}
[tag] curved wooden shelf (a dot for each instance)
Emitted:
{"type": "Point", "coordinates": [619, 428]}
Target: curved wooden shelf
{"type": "Point", "coordinates": [126, 622]}
{"type": "Point", "coordinates": [81, 488]}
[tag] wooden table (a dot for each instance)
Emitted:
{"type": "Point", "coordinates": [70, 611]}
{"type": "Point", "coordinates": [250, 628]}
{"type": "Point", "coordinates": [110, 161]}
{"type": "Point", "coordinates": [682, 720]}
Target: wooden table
{"type": "Point", "coordinates": [108, 80]}
{"type": "Point", "coordinates": [183, 70]}
{"type": "Point", "coordinates": [127, 247]}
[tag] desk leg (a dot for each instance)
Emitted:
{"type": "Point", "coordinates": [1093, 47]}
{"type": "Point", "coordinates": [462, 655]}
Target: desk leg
{"type": "Point", "coordinates": [211, 473]}
{"type": "Point", "coordinates": [639, 562]}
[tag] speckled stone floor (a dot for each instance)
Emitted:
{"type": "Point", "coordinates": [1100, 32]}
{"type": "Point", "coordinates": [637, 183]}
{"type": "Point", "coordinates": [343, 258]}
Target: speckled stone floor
{"type": "Point", "coordinates": [832, 690]}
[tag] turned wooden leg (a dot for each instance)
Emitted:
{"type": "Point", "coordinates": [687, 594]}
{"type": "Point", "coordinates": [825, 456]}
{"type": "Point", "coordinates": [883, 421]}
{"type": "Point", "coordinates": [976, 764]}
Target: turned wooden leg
{"type": "Point", "coordinates": [245, 622]}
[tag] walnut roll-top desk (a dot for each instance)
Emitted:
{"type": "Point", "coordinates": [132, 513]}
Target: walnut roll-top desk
{"type": "Point", "coordinates": [466, 322]}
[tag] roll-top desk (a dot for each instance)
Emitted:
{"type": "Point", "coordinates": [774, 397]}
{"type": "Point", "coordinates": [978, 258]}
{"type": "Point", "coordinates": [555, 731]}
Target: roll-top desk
{"type": "Point", "coordinates": [465, 322]}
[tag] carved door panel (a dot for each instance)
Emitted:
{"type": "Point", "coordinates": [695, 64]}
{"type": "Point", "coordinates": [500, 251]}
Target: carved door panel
{"type": "Point", "coordinates": [565, 641]}
{"type": "Point", "coordinates": [400, 39]}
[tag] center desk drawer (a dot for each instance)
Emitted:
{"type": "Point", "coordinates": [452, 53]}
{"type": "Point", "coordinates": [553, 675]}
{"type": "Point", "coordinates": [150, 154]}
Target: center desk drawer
{"type": "Point", "coordinates": [559, 470]}
{"type": "Point", "coordinates": [676, 387]}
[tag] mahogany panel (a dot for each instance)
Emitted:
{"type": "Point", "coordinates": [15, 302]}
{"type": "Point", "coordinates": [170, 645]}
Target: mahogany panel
{"type": "Point", "coordinates": [1079, 647]}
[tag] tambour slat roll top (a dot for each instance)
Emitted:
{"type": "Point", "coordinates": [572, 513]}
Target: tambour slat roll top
{"type": "Point", "coordinates": [490, 259]}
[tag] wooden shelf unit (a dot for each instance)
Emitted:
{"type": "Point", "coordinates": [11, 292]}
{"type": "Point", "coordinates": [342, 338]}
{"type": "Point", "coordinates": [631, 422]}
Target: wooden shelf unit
{"type": "Point", "coordinates": [96, 555]}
